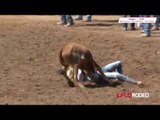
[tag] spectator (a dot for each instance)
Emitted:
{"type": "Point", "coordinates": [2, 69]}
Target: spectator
{"type": "Point", "coordinates": [146, 28]}
{"type": "Point", "coordinates": [156, 24]}
{"type": "Point", "coordinates": [125, 25]}
{"type": "Point", "coordinates": [66, 20]}
{"type": "Point", "coordinates": [88, 18]}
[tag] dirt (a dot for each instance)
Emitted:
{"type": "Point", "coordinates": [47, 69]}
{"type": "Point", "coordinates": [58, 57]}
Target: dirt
{"type": "Point", "coordinates": [29, 47]}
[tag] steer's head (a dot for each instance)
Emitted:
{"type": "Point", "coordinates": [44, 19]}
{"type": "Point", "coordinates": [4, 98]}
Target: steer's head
{"type": "Point", "coordinates": [86, 64]}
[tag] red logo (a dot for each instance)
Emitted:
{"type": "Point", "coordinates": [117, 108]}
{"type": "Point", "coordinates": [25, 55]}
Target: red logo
{"type": "Point", "coordinates": [126, 95]}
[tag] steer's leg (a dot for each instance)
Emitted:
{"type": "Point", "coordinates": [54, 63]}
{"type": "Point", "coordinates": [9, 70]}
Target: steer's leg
{"type": "Point", "coordinates": [75, 71]}
{"type": "Point", "coordinates": [69, 76]}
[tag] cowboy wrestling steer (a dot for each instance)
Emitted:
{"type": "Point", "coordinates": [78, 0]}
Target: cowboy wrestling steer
{"type": "Point", "coordinates": [78, 57]}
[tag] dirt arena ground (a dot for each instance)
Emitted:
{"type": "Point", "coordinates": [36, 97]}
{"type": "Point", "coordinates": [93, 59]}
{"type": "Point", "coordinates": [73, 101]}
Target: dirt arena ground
{"type": "Point", "coordinates": [29, 47]}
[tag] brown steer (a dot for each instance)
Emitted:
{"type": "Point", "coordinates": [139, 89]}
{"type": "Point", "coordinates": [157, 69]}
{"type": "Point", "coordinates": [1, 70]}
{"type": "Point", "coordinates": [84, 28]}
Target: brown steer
{"type": "Point", "coordinates": [78, 57]}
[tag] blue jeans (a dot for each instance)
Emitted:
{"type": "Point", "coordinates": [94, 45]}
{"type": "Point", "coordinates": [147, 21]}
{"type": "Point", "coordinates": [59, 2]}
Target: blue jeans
{"type": "Point", "coordinates": [146, 28]}
{"type": "Point", "coordinates": [114, 71]}
{"type": "Point", "coordinates": [88, 17]}
{"type": "Point", "coordinates": [66, 19]}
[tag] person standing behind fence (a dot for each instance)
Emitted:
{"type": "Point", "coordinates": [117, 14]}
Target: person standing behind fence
{"type": "Point", "coordinates": [125, 25]}
{"type": "Point", "coordinates": [156, 24]}
{"type": "Point", "coordinates": [66, 20]}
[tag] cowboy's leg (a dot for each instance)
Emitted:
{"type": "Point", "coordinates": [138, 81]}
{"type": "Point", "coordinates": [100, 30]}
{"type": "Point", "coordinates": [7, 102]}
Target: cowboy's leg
{"type": "Point", "coordinates": [120, 77]}
{"type": "Point", "coordinates": [115, 66]}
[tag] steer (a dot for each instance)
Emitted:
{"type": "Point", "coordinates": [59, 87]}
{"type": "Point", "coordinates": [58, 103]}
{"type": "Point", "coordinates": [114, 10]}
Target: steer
{"type": "Point", "coordinates": [78, 57]}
